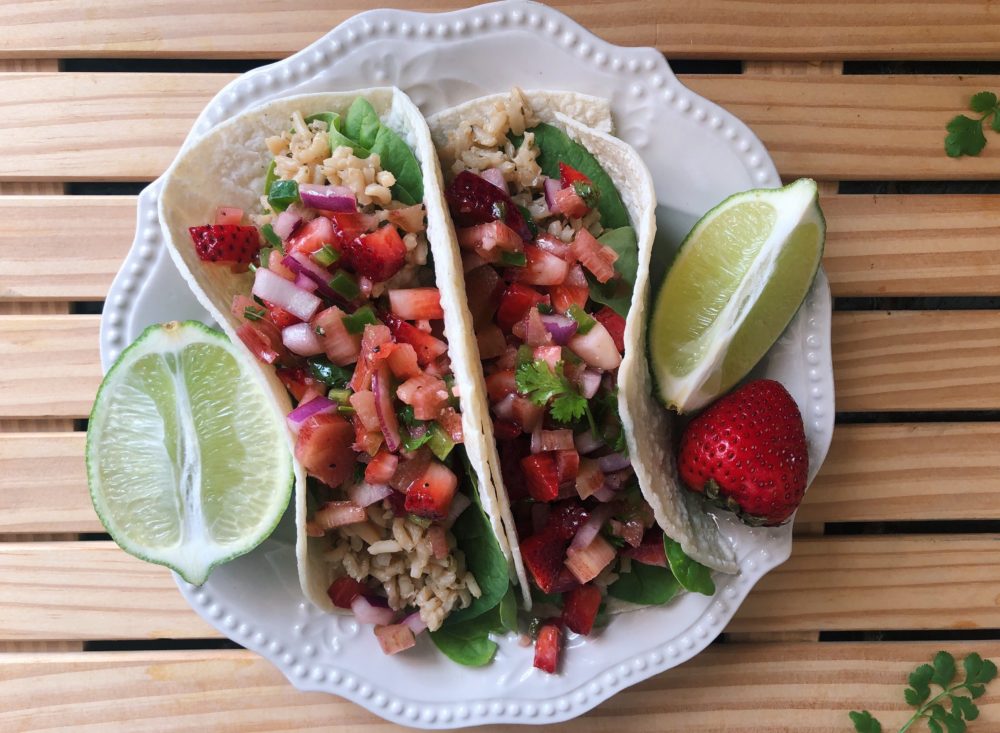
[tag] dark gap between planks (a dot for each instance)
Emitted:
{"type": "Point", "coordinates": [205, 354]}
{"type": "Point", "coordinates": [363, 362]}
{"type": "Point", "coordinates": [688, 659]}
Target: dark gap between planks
{"type": "Point", "coordinates": [913, 527]}
{"type": "Point", "coordinates": [920, 303]}
{"type": "Point", "coordinates": [964, 68]}
{"type": "Point", "coordinates": [158, 645]}
{"type": "Point", "coordinates": [938, 416]}
{"type": "Point", "coordinates": [706, 66]}
{"type": "Point", "coordinates": [912, 635]}
{"type": "Point", "coordinates": [86, 307]}
{"type": "Point", "coordinates": [163, 66]}
{"type": "Point", "coordinates": [918, 187]}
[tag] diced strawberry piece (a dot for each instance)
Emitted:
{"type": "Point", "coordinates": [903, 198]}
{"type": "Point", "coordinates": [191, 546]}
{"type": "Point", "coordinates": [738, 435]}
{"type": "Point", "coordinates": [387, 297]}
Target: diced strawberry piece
{"type": "Point", "coordinates": [225, 243]}
{"type": "Point", "coordinates": [280, 317]}
{"type": "Point", "coordinates": [311, 236]}
{"type": "Point", "coordinates": [586, 563]}
{"type": "Point", "coordinates": [228, 215]}
{"type": "Point", "coordinates": [515, 302]}
{"type": "Point", "coordinates": [594, 256]}
{"type": "Point", "coordinates": [547, 648]}
{"type": "Point", "coordinates": [430, 495]}
{"type": "Point", "coordinates": [474, 200]}
{"type": "Point", "coordinates": [323, 447]}
{"type": "Point", "coordinates": [567, 465]}
{"type": "Point", "coordinates": [341, 346]}
{"type": "Point", "coordinates": [567, 201]}
{"type": "Point", "coordinates": [413, 303]}
{"type": "Point", "coordinates": [488, 240]}
{"type": "Point", "coordinates": [298, 382]}
{"type": "Point", "coordinates": [574, 290]}
{"type": "Point", "coordinates": [506, 430]}
{"type": "Point", "coordinates": [541, 268]}
{"type": "Point", "coordinates": [511, 452]}
{"type": "Point", "coordinates": [373, 338]}
{"type": "Point", "coordinates": [410, 218]}
{"type": "Point", "coordinates": [427, 347]}
{"type": "Point", "coordinates": [543, 555]}
{"type": "Point", "coordinates": [410, 469]}
{"type": "Point", "coordinates": [451, 422]}
{"type": "Point", "coordinates": [395, 638]}
{"type": "Point", "coordinates": [344, 590]}
{"type": "Point", "coordinates": [382, 467]}
{"type": "Point", "coordinates": [491, 342]}
{"type": "Point", "coordinates": [650, 552]}
{"type": "Point", "coordinates": [426, 394]}
{"type": "Point", "coordinates": [568, 175]}
{"type": "Point", "coordinates": [402, 361]}
{"type": "Point", "coordinates": [378, 255]}
{"type": "Point", "coordinates": [348, 226]}
{"type": "Point", "coordinates": [367, 441]}
{"type": "Point", "coordinates": [500, 384]}
{"type": "Point", "coordinates": [483, 288]}
{"type": "Point", "coordinates": [259, 345]}
{"type": "Point", "coordinates": [580, 608]}
{"type": "Point", "coordinates": [615, 325]}
{"type": "Point", "coordinates": [565, 518]}
{"type": "Point", "coordinates": [363, 403]}
{"type": "Point", "coordinates": [541, 475]}
{"type": "Point", "coordinates": [565, 582]}
{"type": "Point", "coordinates": [551, 355]}
{"type": "Point", "coordinates": [396, 504]}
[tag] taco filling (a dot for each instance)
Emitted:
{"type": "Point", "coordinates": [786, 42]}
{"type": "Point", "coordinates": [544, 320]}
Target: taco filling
{"type": "Point", "coordinates": [344, 305]}
{"type": "Point", "coordinates": [550, 255]}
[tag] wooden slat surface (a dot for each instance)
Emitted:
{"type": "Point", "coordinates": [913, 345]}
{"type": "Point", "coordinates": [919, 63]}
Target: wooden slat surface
{"type": "Point", "coordinates": [85, 126]}
{"type": "Point", "coordinates": [712, 29]}
{"type": "Point", "coordinates": [92, 590]}
{"type": "Point", "coordinates": [737, 688]}
{"type": "Point", "coordinates": [876, 245]}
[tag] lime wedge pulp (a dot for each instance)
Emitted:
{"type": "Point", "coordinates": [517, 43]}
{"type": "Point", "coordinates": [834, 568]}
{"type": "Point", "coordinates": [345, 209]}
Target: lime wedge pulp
{"type": "Point", "coordinates": [187, 458]}
{"type": "Point", "coordinates": [739, 277]}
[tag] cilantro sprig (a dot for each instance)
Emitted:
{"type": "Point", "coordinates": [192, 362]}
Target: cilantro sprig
{"type": "Point", "coordinates": [540, 383]}
{"type": "Point", "coordinates": [965, 134]}
{"type": "Point", "coordinates": [941, 673]}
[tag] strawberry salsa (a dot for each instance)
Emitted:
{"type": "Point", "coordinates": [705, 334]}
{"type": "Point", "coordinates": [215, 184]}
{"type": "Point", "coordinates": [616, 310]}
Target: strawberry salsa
{"type": "Point", "coordinates": [550, 259]}
{"type": "Point", "coordinates": [343, 305]}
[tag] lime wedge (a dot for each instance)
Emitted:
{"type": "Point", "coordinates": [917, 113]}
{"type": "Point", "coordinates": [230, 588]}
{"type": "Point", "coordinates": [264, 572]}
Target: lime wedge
{"type": "Point", "coordinates": [187, 458]}
{"type": "Point", "coordinates": [740, 276]}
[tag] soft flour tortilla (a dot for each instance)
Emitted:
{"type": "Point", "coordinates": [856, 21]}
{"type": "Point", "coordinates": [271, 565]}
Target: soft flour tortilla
{"type": "Point", "coordinates": [227, 168]}
{"type": "Point", "coordinates": [648, 426]}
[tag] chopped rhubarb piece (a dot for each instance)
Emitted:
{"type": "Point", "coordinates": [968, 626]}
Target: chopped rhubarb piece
{"type": "Point", "coordinates": [387, 419]}
{"type": "Point", "coordinates": [402, 361]}
{"type": "Point", "coordinates": [344, 590]}
{"type": "Point", "coordinates": [395, 638]}
{"type": "Point", "coordinates": [363, 403]}
{"type": "Point", "coordinates": [568, 202]}
{"type": "Point", "coordinates": [515, 302]}
{"type": "Point", "coordinates": [587, 563]}
{"type": "Point", "coordinates": [589, 478]}
{"type": "Point", "coordinates": [547, 648]}
{"type": "Point", "coordinates": [567, 465]}
{"type": "Point", "coordinates": [488, 239]}
{"type": "Point", "coordinates": [323, 447]}
{"type": "Point", "coordinates": [543, 555]}
{"type": "Point", "coordinates": [335, 514]}
{"type": "Point", "coordinates": [259, 343]}
{"type": "Point", "coordinates": [428, 347]}
{"type": "Point", "coordinates": [594, 256]}
{"type": "Point", "coordinates": [378, 255]}
{"type": "Point", "coordinates": [416, 303]}
{"type": "Point", "coordinates": [491, 342]}
{"type": "Point", "coordinates": [311, 237]}
{"type": "Point", "coordinates": [596, 347]}
{"type": "Point", "coordinates": [225, 243]}
{"type": "Point", "coordinates": [439, 541]}
{"type": "Point", "coordinates": [574, 290]}
{"type": "Point", "coordinates": [431, 494]}
{"type": "Point", "coordinates": [650, 552]}
{"type": "Point", "coordinates": [527, 414]}
{"type": "Point", "coordinates": [542, 268]}
{"type": "Point", "coordinates": [615, 326]}
{"type": "Point", "coordinates": [500, 384]}
{"type": "Point", "coordinates": [580, 608]}
{"type": "Point", "coordinates": [381, 468]}
{"type": "Point", "coordinates": [341, 346]}
{"type": "Point", "coordinates": [372, 340]}
{"type": "Point", "coordinates": [542, 476]}
{"type": "Point", "coordinates": [426, 394]}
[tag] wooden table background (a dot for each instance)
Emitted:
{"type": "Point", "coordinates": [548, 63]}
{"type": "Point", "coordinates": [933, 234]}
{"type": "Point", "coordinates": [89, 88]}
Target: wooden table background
{"type": "Point", "coordinates": [897, 553]}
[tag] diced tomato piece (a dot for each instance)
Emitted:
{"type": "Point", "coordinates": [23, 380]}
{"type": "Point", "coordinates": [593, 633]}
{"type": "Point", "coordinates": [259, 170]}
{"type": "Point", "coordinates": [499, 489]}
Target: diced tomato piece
{"type": "Point", "coordinates": [483, 288]}
{"type": "Point", "coordinates": [427, 347]}
{"type": "Point", "coordinates": [565, 518]}
{"type": "Point", "coordinates": [650, 552]}
{"type": "Point", "coordinates": [543, 555]}
{"type": "Point", "coordinates": [451, 422]}
{"type": "Point", "coordinates": [580, 608]}
{"type": "Point", "coordinates": [323, 447]}
{"type": "Point", "coordinates": [551, 355]}
{"type": "Point", "coordinates": [426, 394]}
{"type": "Point", "coordinates": [402, 360]}
{"type": "Point", "coordinates": [228, 215]}
{"type": "Point", "coordinates": [483, 239]}
{"type": "Point", "coordinates": [413, 303]}
{"type": "Point", "coordinates": [378, 255]}
{"type": "Point", "coordinates": [410, 218]}
{"type": "Point", "coordinates": [586, 563]}
{"type": "Point", "coordinates": [568, 175]}
{"type": "Point", "coordinates": [311, 236]}
{"type": "Point", "coordinates": [341, 346]}
{"type": "Point", "coordinates": [382, 467]}
{"type": "Point", "coordinates": [280, 317]}
{"type": "Point", "coordinates": [547, 647]}
{"type": "Point", "coordinates": [430, 495]}
{"type": "Point", "coordinates": [515, 302]}
{"type": "Point", "coordinates": [615, 326]}
{"type": "Point", "coordinates": [596, 257]}
{"type": "Point", "coordinates": [373, 338]}
{"type": "Point", "coordinates": [542, 476]}
{"type": "Point", "coordinates": [344, 590]}
{"type": "Point", "coordinates": [500, 384]}
{"type": "Point", "coordinates": [395, 638]}
{"type": "Point", "coordinates": [258, 343]}
{"type": "Point", "coordinates": [225, 243]}
{"type": "Point", "coordinates": [567, 465]}
{"type": "Point", "coordinates": [567, 201]}
{"type": "Point", "coordinates": [541, 268]}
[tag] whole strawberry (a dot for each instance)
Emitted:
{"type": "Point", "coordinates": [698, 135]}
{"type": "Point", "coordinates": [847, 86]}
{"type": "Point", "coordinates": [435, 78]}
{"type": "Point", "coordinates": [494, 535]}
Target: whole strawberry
{"type": "Point", "coordinates": [747, 453]}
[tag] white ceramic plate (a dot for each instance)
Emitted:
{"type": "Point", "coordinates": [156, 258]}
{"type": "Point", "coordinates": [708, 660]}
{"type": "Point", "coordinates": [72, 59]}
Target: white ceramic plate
{"type": "Point", "coordinates": [698, 154]}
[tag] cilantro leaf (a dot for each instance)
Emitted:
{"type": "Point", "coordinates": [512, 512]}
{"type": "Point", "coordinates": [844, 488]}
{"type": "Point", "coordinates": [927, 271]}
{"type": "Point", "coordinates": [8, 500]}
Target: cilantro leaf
{"type": "Point", "coordinates": [983, 102]}
{"type": "Point", "coordinates": [540, 383]}
{"type": "Point", "coordinates": [864, 722]}
{"type": "Point", "coordinates": [944, 669]}
{"type": "Point", "coordinates": [965, 134]}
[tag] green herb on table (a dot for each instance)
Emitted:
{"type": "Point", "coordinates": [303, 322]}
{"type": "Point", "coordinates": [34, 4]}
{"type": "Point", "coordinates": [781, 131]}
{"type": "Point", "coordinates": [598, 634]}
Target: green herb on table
{"type": "Point", "coordinates": [941, 673]}
{"type": "Point", "coordinates": [965, 134]}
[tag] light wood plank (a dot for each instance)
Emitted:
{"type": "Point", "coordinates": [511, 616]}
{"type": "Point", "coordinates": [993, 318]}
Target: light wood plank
{"type": "Point", "coordinates": [737, 688]}
{"type": "Point", "coordinates": [831, 583]}
{"type": "Point", "coordinates": [916, 471]}
{"type": "Point", "coordinates": [81, 126]}
{"type": "Point", "coordinates": [52, 366]}
{"type": "Point", "coordinates": [899, 29]}
{"type": "Point", "coordinates": [917, 360]}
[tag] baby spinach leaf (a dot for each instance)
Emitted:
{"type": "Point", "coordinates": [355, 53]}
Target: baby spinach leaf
{"type": "Point", "coordinates": [649, 585]}
{"type": "Point", "coordinates": [617, 293]}
{"type": "Point", "coordinates": [468, 643]}
{"type": "Point", "coordinates": [396, 156]}
{"type": "Point", "coordinates": [508, 610]}
{"type": "Point", "coordinates": [554, 146]}
{"type": "Point", "coordinates": [362, 123]}
{"type": "Point", "coordinates": [338, 138]}
{"type": "Point", "coordinates": [691, 574]}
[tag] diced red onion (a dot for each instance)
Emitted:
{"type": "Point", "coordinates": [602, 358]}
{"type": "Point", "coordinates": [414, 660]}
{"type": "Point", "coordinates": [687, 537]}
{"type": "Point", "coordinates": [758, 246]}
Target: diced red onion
{"type": "Point", "coordinates": [596, 347]}
{"type": "Point", "coordinates": [495, 176]}
{"type": "Point", "coordinates": [315, 406]}
{"type": "Point", "coordinates": [275, 289]}
{"type": "Point", "coordinates": [504, 409]}
{"type": "Point", "coordinates": [604, 494]}
{"type": "Point", "coordinates": [562, 329]}
{"type": "Point", "coordinates": [539, 516]}
{"type": "Point", "coordinates": [616, 480]}
{"type": "Point", "coordinates": [586, 442]}
{"type": "Point", "coordinates": [383, 405]}
{"type": "Point", "coordinates": [301, 339]}
{"type": "Point", "coordinates": [305, 283]}
{"type": "Point", "coordinates": [551, 186]}
{"type": "Point", "coordinates": [548, 440]}
{"type": "Point", "coordinates": [366, 494]}
{"type": "Point", "coordinates": [368, 613]}
{"type": "Point", "coordinates": [285, 222]}
{"type": "Point", "coordinates": [590, 382]}
{"type": "Point", "coordinates": [614, 462]}
{"type": "Point", "coordinates": [327, 198]}
{"type": "Point", "coordinates": [459, 503]}
{"type": "Point", "coordinates": [415, 623]}
{"type": "Point", "coordinates": [589, 529]}
{"type": "Point", "coordinates": [302, 264]}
